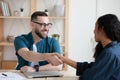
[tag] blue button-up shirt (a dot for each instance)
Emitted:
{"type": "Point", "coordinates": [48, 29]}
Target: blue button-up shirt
{"type": "Point", "coordinates": [105, 67]}
{"type": "Point", "coordinates": [46, 45]}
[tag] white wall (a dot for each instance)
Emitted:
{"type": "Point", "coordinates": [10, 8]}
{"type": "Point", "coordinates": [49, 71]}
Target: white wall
{"type": "Point", "coordinates": [82, 17]}
{"type": "Point", "coordinates": [108, 6]}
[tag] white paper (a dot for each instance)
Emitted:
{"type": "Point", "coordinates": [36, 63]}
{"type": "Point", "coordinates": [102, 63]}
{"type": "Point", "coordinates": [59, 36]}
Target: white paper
{"type": "Point", "coordinates": [10, 76]}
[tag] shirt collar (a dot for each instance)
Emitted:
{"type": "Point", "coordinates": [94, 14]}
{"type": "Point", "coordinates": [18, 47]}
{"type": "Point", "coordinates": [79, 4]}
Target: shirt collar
{"type": "Point", "coordinates": [111, 44]}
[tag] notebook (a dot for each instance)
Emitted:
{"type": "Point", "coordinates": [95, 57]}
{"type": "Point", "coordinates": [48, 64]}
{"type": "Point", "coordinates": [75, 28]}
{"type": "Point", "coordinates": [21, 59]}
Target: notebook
{"type": "Point", "coordinates": [42, 74]}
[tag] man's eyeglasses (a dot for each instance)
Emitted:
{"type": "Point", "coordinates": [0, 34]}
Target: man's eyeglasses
{"type": "Point", "coordinates": [44, 24]}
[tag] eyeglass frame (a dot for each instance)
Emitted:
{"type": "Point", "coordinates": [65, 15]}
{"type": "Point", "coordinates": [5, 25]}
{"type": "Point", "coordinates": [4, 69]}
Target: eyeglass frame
{"type": "Point", "coordinates": [43, 24]}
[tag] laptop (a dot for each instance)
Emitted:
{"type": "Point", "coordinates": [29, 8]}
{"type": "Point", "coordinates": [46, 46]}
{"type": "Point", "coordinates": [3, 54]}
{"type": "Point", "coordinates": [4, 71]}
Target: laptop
{"type": "Point", "coordinates": [43, 74]}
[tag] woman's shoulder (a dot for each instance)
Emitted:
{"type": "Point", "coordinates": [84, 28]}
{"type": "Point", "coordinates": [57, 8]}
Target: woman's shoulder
{"type": "Point", "coordinates": [113, 51]}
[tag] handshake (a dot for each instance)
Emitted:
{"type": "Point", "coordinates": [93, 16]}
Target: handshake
{"type": "Point", "coordinates": [54, 59]}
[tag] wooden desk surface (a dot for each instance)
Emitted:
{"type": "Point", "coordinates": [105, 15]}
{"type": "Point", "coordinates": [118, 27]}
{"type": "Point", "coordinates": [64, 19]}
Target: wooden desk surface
{"type": "Point", "coordinates": [68, 75]}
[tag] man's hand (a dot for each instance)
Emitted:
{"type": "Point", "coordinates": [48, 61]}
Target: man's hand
{"type": "Point", "coordinates": [27, 69]}
{"type": "Point", "coordinates": [62, 58]}
{"type": "Point", "coordinates": [53, 59]}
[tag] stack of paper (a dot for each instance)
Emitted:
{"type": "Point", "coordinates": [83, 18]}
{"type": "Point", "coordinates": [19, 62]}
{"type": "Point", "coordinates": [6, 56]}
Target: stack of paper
{"type": "Point", "coordinates": [10, 76]}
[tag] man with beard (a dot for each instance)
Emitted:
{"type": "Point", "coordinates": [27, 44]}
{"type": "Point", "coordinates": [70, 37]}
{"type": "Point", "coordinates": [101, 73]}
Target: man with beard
{"type": "Point", "coordinates": [35, 50]}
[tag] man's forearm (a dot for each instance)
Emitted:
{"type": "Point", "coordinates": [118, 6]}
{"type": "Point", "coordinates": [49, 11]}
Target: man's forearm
{"type": "Point", "coordinates": [32, 56]}
{"type": "Point", "coordinates": [36, 57]}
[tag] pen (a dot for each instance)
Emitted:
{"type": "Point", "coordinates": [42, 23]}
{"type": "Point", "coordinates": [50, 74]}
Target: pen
{"type": "Point", "coordinates": [4, 74]}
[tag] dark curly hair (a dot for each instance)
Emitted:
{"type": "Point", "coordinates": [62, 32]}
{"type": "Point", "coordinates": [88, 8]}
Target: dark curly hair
{"type": "Point", "coordinates": [111, 26]}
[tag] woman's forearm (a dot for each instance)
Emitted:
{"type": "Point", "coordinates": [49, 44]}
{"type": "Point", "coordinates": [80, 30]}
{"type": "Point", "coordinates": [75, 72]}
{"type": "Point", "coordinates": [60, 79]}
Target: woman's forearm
{"type": "Point", "coordinates": [70, 62]}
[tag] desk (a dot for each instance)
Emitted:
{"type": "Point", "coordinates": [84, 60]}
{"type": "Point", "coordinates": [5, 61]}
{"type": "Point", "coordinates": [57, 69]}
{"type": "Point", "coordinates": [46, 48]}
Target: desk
{"type": "Point", "coordinates": [68, 75]}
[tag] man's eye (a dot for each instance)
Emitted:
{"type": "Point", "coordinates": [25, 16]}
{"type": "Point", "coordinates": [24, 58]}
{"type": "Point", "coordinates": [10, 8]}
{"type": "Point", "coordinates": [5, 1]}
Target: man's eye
{"type": "Point", "coordinates": [43, 24]}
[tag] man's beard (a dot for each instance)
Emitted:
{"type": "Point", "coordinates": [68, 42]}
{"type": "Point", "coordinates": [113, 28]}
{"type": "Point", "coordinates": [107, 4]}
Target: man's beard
{"type": "Point", "coordinates": [39, 34]}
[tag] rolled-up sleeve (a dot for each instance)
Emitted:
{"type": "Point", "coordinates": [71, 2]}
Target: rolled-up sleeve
{"type": "Point", "coordinates": [81, 67]}
{"type": "Point", "coordinates": [19, 43]}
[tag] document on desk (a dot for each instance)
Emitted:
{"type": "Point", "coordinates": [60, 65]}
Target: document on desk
{"type": "Point", "coordinates": [10, 76]}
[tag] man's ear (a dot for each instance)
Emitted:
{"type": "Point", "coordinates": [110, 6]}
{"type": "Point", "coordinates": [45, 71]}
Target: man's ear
{"type": "Point", "coordinates": [32, 24]}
